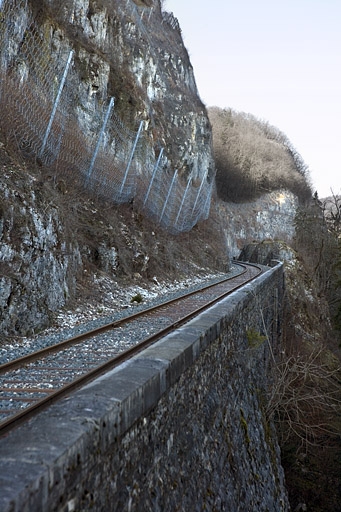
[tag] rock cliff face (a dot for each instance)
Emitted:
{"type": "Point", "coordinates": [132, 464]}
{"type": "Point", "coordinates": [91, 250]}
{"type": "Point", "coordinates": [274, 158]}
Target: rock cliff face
{"type": "Point", "coordinates": [133, 52]}
{"type": "Point", "coordinates": [269, 218]}
{"type": "Point", "coordinates": [38, 261]}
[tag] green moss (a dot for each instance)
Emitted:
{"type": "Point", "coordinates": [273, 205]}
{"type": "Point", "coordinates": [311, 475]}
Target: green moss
{"type": "Point", "coordinates": [254, 338]}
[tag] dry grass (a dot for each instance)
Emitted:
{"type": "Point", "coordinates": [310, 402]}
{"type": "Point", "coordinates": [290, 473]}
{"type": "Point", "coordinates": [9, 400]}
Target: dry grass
{"type": "Point", "coordinates": [142, 246]}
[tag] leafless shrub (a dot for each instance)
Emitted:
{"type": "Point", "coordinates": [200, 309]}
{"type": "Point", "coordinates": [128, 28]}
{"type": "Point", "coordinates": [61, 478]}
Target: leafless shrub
{"type": "Point", "coordinates": [305, 398]}
{"type": "Point", "coordinates": [253, 157]}
{"type": "Point", "coordinates": [304, 392]}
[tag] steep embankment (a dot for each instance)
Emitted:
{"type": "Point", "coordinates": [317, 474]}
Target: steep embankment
{"type": "Point", "coordinates": [58, 247]}
{"type": "Point", "coordinates": [55, 235]}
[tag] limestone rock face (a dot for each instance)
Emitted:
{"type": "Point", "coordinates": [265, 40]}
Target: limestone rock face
{"type": "Point", "coordinates": [39, 262]}
{"type": "Point", "coordinates": [267, 252]}
{"type": "Point", "coordinates": [269, 218]}
{"type": "Point", "coordinates": [134, 52]}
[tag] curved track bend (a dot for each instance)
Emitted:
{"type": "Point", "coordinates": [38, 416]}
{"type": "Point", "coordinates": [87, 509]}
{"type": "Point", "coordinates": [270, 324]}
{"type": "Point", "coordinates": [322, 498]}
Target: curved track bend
{"type": "Point", "coordinates": [34, 381]}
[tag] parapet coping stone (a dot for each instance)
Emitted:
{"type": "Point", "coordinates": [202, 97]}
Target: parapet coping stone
{"type": "Point", "coordinates": [34, 456]}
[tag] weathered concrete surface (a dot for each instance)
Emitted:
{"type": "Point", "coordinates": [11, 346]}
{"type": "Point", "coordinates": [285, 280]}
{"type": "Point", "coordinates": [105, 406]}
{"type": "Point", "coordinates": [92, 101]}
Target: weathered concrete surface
{"type": "Point", "coordinates": [179, 427]}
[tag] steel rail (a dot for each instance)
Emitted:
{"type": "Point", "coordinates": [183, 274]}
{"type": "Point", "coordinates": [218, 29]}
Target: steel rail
{"type": "Point", "coordinates": [27, 413]}
{"type": "Point", "coordinates": [28, 358]}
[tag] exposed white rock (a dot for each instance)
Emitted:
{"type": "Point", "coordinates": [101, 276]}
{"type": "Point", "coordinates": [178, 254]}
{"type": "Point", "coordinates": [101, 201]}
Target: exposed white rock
{"type": "Point", "coordinates": [270, 217]}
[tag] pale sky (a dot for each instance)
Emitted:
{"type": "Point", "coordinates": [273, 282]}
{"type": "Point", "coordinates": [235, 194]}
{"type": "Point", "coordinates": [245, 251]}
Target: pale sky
{"type": "Point", "coordinates": [277, 60]}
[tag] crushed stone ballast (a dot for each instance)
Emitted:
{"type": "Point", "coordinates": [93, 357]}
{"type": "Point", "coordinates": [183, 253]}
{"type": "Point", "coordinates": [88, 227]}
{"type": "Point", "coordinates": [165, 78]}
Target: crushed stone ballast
{"type": "Point", "coordinates": [35, 380]}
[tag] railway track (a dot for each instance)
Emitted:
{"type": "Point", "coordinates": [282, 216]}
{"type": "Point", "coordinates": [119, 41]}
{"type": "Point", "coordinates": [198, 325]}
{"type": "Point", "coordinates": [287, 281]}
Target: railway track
{"type": "Point", "coordinates": [32, 382]}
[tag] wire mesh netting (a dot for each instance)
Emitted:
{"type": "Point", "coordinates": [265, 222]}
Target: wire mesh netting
{"type": "Point", "coordinates": [40, 115]}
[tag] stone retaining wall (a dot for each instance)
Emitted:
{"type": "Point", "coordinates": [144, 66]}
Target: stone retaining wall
{"type": "Point", "coordinates": [178, 427]}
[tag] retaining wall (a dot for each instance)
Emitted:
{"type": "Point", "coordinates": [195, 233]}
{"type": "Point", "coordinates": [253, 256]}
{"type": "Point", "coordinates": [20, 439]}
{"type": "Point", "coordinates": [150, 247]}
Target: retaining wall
{"type": "Point", "coordinates": [179, 427]}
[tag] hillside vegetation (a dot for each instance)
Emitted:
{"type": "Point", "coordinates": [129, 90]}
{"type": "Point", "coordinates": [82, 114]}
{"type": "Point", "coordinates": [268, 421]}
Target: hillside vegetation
{"type": "Point", "coordinates": [253, 158]}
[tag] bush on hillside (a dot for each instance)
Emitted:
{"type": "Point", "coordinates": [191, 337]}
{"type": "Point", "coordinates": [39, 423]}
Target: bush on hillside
{"type": "Point", "coordinates": [253, 158]}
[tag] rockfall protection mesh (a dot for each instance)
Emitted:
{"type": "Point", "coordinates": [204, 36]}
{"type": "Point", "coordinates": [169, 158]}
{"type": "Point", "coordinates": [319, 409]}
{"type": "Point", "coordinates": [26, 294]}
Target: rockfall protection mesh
{"type": "Point", "coordinates": [37, 90]}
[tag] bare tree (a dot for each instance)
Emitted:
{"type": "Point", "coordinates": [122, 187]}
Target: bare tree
{"type": "Point", "coordinates": [304, 397]}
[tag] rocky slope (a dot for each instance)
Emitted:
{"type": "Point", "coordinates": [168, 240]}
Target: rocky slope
{"type": "Point", "coordinates": [131, 51]}
{"type": "Point", "coordinates": [57, 246]}
{"type": "Point", "coordinates": [54, 238]}
{"type": "Point", "coordinates": [52, 234]}
{"type": "Point", "coordinates": [61, 248]}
